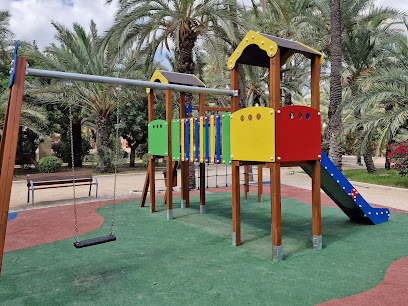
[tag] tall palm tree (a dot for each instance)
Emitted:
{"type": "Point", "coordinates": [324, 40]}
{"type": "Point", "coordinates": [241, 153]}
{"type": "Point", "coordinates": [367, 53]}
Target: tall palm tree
{"type": "Point", "coordinates": [150, 25]}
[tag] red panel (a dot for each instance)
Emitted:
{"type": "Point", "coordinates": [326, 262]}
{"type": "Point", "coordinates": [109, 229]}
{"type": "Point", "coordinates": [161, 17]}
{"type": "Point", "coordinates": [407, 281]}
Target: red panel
{"type": "Point", "coordinates": [297, 133]}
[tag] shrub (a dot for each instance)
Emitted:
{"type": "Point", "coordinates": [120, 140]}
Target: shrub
{"type": "Point", "coordinates": [398, 155]}
{"type": "Point", "coordinates": [49, 164]}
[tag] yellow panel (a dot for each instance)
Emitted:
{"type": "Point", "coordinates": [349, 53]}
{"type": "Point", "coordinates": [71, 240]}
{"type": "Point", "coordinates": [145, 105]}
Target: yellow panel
{"type": "Point", "coordinates": [201, 139]}
{"type": "Point", "coordinates": [252, 38]}
{"type": "Point", "coordinates": [253, 134]}
{"type": "Point", "coordinates": [182, 141]}
{"type": "Point", "coordinates": [157, 76]}
{"type": "Point", "coordinates": [212, 139]}
{"type": "Point", "coordinates": [191, 140]}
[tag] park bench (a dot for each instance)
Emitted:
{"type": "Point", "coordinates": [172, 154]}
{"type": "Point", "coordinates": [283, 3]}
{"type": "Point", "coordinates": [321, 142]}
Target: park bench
{"type": "Point", "coordinates": [60, 179]}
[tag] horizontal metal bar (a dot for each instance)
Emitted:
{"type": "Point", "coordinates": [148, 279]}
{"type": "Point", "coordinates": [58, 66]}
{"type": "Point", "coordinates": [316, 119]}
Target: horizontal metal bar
{"type": "Point", "coordinates": [121, 81]}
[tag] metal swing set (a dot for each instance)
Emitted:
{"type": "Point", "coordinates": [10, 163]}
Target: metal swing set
{"type": "Point", "coordinates": [9, 136]}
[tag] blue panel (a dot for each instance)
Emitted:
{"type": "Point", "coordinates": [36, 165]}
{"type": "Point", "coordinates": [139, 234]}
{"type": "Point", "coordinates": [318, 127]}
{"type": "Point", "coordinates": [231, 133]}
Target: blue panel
{"type": "Point", "coordinates": [218, 138]}
{"type": "Point", "coordinates": [13, 66]}
{"type": "Point", "coordinates": [197, 140]}
{"type": "Point", "coordinates": [12, 215]}
{"type": "Point", "coordinates": [207, 138]}
{"type": "Point", "coordinates": [188, 109]}
{"type": "Point", "coordinates": [187, 138]}
{"type": "Point", "coordinates": [376, 215]}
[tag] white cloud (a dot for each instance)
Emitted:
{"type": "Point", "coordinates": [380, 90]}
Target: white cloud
{"type": "Point", "coordinates": [31, 19]}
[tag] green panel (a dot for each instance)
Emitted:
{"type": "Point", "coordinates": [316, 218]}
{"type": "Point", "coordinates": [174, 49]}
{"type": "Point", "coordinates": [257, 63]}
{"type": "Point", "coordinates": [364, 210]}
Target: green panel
{"type": "Point", "coordinates": [158, 137]}
{"type": "Point", "coordinates": [226, 137]}
{"type": "Point", "coordinates": [175, 139]}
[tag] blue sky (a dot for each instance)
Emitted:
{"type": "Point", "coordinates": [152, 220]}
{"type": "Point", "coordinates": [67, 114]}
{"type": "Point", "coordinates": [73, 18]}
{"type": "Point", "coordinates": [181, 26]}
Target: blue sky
{"type": "Point", "coordinates": [31, 19]}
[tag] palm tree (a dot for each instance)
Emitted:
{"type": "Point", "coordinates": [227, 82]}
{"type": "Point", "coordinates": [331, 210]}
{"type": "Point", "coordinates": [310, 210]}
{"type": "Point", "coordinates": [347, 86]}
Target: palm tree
{"type": "Point", "coordinates": [366, 43]}
{"type": "Point", "coordinates": [5, 53]}
{"type": "Point", "coordinates": [150, 25]}
{"type": "Point", "coordinates": [80, 52]}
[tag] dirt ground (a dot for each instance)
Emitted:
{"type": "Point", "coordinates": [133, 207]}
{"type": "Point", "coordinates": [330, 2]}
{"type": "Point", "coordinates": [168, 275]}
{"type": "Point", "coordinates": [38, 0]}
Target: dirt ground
{"type": "Point", "coordinates": [131, 184]}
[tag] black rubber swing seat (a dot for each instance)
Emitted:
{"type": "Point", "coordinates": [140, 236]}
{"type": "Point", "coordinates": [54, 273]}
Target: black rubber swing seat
{"type": "Point", "coordinates": [94, 241]}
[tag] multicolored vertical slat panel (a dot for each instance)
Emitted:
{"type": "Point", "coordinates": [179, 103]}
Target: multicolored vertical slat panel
{"type": "Point", "coordinates": [197, 139]}
{"type": "Point", "coordinates": [175, 139]}
{"type": "Point", "coordinates": [218, 138]}
{"type": "Point", "coordinates": [191, 139]}
{"type": "Point", "coordinates": [207, 144]}
{"type": "Point", "coordinates": [201, 139]}
{"type": "Point", "coordinates": [187, 139]}
{"type": "Point", "coordinates": [182, 142]}
{"type": "Point", "coordinates": [212, 139]}
{"type": "Point", "coordinates": [226, 139]}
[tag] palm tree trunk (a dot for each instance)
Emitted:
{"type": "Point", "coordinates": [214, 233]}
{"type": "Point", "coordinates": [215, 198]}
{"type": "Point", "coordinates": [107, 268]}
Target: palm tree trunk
{"type": "Point", "coordinates": [185, 64]}
{"type": "Point", "coordinates": [387, 165]}
{"type": "Point", "coordinates": [103, 130]}
{"type": "Point", "coordinates": [335, 120]}
{"type": "Point", "coordinates": [368, 160]}
{"type": "Point", "coordinates": [77, 140]}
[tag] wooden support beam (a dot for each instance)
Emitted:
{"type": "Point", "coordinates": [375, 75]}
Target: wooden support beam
{"type": "Point", "coordinates": [315, 82]}
{"type": "Point", "coordinates": [260, 183]}
{"type": "Point", "coordinates": [246, 181]}
{"type": "Point", "coordinates": [174, 173]}
{"type": "Point", "coordinates": [8, 146]}
{"type": "Point", "coordinates": [169, 177]}
{"type": "Point", "coordinates": [236, 205]}
{"type": "Point", "coordinates": [276, 218]}
{"type": "Point", "coordinates": [316, 199]}
{"type": "Point", "coordinates": [274, 81]}
{"type": "Point", "coordinates": [276, 215]}
{"type": "Point", "coordinates": [145, 187]}
{"type": "Point", "coordinates": [201, 102]}
{"type": "Point", "coordinates": [152, 164]}
{"type": "Point", "coordinates": [235, 86]}
{"type": "Point", "coordinates": [185, 172]}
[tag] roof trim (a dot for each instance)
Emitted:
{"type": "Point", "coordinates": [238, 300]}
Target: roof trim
{"type": "Point", "coordinates": [252, 38]}
{"type": "Point", "coordinates": [157, 76]}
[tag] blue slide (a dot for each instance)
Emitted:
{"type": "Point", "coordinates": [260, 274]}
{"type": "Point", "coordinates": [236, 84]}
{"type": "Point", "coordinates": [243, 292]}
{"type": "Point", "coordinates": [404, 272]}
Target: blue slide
{"type": "Point", "coordinates": [340, 190]}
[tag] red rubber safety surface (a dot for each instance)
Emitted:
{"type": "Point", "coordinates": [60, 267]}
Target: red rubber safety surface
{"type": "Point", "coordinates": [391, 291]}
{"type": "Point", "coordinates": [39, 226]}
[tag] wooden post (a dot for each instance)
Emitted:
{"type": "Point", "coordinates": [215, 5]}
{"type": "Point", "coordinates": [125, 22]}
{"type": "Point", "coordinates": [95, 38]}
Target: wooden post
{"type": "Point", "coordinates": [260, 183]}
{"type": "Point", "coordinates": [316, 199]}
{"type": "Point", "coordinates": [201, 103]}
{"type": "Point", "coordinates": [8, 146]}
{"type": "Point", "coordinates": [152, 164]}
{"type": "Point", "coordinates": [236, 200]}
{"type": "Point", "coordinates": [185, 175]}
{"type": "Point", "coordinates": [169, 176]}
{"type": "Point", "coordinates": [274, 102]}
{"type": "Point", "coordinates": [145, 187]}
{"type": "Point", "coordinates": [236, 205]}
{"type": "Point", "coordinates": [246, 181]}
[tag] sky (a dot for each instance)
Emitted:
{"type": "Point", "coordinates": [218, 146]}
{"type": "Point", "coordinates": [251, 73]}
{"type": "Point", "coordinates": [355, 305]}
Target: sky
{"type": "Point", "coordinates": [31, 19]}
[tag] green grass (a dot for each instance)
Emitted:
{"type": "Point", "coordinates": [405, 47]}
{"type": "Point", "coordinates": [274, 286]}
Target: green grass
{"type": "Point", "coordinates": [382, 177]}
{"type": "Point", "coordinates": [190, 260]}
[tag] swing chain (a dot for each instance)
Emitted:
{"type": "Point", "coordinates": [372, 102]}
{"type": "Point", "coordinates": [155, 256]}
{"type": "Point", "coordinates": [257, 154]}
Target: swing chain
{"type": "Point", "coordinates": [115, 158]}
{"type": "Point", "coordinates": [71, 119]}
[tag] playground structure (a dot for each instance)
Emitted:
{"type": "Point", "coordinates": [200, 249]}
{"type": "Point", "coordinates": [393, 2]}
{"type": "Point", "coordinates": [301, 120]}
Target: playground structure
{"type": "Point", "coordinates": [271, 136]}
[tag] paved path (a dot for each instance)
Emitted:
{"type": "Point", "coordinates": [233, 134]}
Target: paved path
{"type": "Point", "coordinates": [131, 185]}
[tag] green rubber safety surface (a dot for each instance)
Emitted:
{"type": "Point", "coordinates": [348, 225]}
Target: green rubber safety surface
{"type": "Point", "coordinates": [158, 137]}
{"type": "Point", "coordinates": [190, 260]}
{"type": "Point", "coordinates": [175, 139]}
{"type": "Point", "coordinates": [226, 138]}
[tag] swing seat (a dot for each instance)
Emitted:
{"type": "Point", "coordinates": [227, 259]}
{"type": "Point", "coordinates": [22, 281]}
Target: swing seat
{"type": "Point", "coordinates": [94, 241]}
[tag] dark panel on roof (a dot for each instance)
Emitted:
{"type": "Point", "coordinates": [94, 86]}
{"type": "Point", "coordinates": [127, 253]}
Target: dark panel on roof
{"type": "Point", "coordinates": [181, 78]}
{"type": "Point", "coordinates": [289, 44]}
